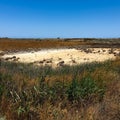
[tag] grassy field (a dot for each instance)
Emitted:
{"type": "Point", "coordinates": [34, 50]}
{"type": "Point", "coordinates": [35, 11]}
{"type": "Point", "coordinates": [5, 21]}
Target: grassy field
{"type": "Point", "coordinates": [8, 44]}
{"type": "Point", "coordinates": [12, 44]}
{"type": "Point", "coordinates": [83, 92]}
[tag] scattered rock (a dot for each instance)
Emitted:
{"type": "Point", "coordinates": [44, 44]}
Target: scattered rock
{"type": "Point", "coordinates": [116, 53]}
{"type": "Point", "coordinates": [49, 61]}
{"type": "Point", "coordinates": [41, 62]}
{"type": "Point", "coordinates": [73, 61]}
{"type": "Point", "coordinates": [88, 50]}
{"type": "Point", "coordinates": [1, 53]}
{"type": "Point", "coordinates": [61, 63]}
{"type": "Point", "coordinates": [104, 50]}
{"type": "Point", "coordinates": [13, 57]}
{"type": "Point", "coordinates": [59, 58]}
{"type": "Point", "coordinates": [8, 58]}
{"type": "Point", "coordinates": [98, 51]}
{"type": "Point", "coordinates": [110, 51]}
{"type": "Point", "coordinates": [16, 59]}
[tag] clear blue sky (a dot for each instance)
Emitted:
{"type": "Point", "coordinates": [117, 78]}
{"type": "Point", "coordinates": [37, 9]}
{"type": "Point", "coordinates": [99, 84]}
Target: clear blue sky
{"type": "Point", "coordinates": [60, 18]}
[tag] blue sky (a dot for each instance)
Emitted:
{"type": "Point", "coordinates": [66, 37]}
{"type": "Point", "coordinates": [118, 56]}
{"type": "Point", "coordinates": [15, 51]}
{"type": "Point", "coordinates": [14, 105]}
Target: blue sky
{"type": "Point", "coordinates": [60, 18]}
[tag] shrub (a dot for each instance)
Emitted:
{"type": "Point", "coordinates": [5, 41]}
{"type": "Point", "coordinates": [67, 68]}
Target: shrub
{"type": "Point", "coordinates": [30, 92]}
{"type": "Point", "coordinates": [1, 90]}
{"type": "Point", "coordinates": [83, 89]}
{"type": "Point", "coordinates": [1, 86]}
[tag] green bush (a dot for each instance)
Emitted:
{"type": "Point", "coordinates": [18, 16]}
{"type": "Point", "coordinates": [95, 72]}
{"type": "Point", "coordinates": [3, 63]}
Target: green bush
{"type": "Point", "coordinates": [1, 85]}
{"type": "Point", "coordinates": [1, 90]}
{"type": "Point", "coordinates": [83, 89]}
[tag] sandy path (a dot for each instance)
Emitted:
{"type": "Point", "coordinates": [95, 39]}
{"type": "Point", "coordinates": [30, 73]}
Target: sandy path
{"type": "Point", "coordinates": [59, 57]}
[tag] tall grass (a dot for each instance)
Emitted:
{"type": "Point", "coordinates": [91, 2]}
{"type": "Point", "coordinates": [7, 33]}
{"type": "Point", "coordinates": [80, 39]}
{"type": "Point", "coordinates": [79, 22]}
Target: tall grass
{"type": "Point", "coordinates": [88, 91]}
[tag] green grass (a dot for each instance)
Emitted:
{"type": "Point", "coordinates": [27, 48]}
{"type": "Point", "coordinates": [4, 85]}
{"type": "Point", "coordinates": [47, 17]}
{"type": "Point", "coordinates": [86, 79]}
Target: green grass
{"type": "Point", "coordinates": [88, 91]}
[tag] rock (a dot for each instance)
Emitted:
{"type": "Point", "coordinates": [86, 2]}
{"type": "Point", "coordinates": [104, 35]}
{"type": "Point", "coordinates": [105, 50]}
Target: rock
{"type": "Point", "coordinates": [116, 54]}
{"type": "Point", "coordinates": [61, 63]}
{"type": "Point", "coordinates": [73, 61]}
{"type": "Point", "coordinates": [14, 57]}
{"type": "Point", "coordinates": [104, 50]}
{"type": "Point", "coordinates": [48, 61]}
{"type": "Point", "coordinates": [59, 58]}
{"type": "Point", "coordinates": [88, 50]}
{"type": "Point", "coordinates": [41, 62]}
{"type": "Point", "coordinates": [8, 58]}
{"type": "Point", "coordinates": [1, 53]}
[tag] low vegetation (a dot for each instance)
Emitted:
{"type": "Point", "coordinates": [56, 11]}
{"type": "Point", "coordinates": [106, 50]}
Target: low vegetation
{"type": "Point", "coordinates": [10, 44]}
{"type": "Point", "coordinates": [83, 92]}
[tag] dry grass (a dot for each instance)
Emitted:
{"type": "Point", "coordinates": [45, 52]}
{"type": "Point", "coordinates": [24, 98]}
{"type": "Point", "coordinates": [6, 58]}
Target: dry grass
{"type": "Point", "coordinates": [25, 44]}
{"type": "Point", "coordinates": [35, 93]}
{"type": "Point", "coordinates": [28, 92]}
{"type": "Point", "coordinates": [11, 44]}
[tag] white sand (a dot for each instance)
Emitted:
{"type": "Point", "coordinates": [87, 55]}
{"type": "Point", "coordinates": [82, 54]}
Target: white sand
{"type": "Point", "coordinates": [69, 56]}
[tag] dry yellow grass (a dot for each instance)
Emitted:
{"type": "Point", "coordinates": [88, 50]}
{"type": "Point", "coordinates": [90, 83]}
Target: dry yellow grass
{"type": "Point", "coordinates": [23, 44]}
{"type": "Point", "coordinates": [11, 44]}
